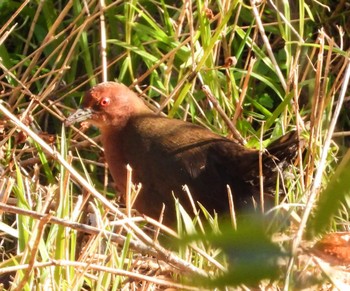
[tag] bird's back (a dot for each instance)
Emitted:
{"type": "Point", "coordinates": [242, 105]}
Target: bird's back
{"type": "Point", "coordinates": [166, 154]}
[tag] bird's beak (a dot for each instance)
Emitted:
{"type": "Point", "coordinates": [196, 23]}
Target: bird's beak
{"type": "Point", "coordinates": [78, 116]}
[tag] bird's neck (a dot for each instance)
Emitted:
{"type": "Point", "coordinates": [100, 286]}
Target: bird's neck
{"type": "Point", "coordinates": [118, 128]}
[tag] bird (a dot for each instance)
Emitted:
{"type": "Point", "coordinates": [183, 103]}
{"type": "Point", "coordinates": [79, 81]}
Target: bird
{"type": "Point", "coordinates": [166, 154]}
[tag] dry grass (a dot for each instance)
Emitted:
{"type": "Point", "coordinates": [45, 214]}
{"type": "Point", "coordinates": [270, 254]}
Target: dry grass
{"type": "Point", "coordinates": [248, 70]}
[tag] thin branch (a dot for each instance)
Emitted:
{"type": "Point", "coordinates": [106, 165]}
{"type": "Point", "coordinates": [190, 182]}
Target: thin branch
{"type": "Point", "coordinates": [89, 266]}
{"type": "Point", "coordinates": [267, 44]}
{"type": "Point", "coordinates": [103, 41]}
{"type": "Point", "coordinates": [227, 120]}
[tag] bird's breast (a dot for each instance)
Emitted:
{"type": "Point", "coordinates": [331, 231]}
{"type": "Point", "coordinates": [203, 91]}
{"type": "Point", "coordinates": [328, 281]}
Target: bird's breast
{"type": "Point", "coordinates": [115, 158]}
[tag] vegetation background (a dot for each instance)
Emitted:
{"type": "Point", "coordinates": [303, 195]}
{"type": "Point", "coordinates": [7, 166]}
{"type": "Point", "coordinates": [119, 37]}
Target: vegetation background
{"type": "Point", "coordinates": [269, 66]}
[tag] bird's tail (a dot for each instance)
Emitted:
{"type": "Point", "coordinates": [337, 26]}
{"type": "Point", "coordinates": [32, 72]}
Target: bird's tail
{"type": "Point", "coordinates": [274, 160]}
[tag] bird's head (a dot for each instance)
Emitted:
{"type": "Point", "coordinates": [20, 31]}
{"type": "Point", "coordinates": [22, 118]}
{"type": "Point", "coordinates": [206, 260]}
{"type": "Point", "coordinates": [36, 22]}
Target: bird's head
{"type": "Point", "coordinates": [108, 104]}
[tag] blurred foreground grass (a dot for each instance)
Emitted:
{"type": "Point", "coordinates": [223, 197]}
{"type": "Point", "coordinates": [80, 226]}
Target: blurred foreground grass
{"type": "Point", "coordinates": [272, 66]}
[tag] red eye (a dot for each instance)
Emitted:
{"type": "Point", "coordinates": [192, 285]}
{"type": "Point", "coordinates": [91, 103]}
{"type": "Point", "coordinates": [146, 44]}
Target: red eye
{"type": "Point", "coordinates": [105, 101]}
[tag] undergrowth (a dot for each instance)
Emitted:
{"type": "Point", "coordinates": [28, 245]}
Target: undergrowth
{"type": "Point", "coordinates": [271, 67]}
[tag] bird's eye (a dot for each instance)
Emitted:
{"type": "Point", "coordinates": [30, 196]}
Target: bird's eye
{"type": "Point", "coordinates": [105, 101]}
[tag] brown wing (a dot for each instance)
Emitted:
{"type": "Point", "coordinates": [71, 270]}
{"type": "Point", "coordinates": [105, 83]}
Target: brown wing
{"type": "Point", "coordinates": [166, 154]}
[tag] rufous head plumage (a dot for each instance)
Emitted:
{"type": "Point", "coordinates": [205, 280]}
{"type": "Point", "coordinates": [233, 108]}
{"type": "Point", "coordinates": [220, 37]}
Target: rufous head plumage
{"type": "Point", "coordinates": [108, 104]}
